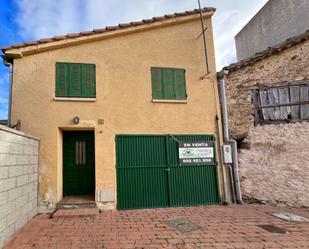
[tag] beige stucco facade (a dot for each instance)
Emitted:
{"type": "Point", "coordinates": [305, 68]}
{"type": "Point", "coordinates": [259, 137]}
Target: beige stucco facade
{"type": "Point", "coordinates": [123, 94]}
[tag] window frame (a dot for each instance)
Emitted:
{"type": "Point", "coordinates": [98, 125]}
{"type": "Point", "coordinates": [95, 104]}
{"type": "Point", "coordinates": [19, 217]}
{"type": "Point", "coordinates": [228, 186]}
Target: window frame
{"type": "Point", "coordinates": [293, 110]}
{"type": "Point", "coordinates": [166, 99]}
{"type": "Point", "coordinates": [74, 97]}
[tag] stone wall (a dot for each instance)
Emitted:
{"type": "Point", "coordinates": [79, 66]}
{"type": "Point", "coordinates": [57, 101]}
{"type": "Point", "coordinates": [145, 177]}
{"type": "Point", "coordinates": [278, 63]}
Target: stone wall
{"type": "Point", "coordinates": [273, 161]}
{"type": "Point", "coordinates": [274, 167]}
{"type": "Point", "coordinates": [290, 65]}
{"type": "Point", "coordinates": [18, 180]}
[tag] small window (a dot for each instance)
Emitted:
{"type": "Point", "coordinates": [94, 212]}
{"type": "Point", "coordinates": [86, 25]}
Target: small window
{"type": "Point", "coordinates": [75, 80]}
{"type": "Point", "coordinates": [80, 152]}
{"type": "Point", "coordinates": [281, 104]}
{"type": "Point", "coordinates": [168, 84]}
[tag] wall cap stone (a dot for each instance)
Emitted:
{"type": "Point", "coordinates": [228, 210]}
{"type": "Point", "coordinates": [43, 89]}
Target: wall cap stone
{"type": "Point", "coordinates": [19, 133]}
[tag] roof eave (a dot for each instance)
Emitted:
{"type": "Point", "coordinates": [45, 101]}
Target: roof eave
{"type": "Point", "coordinates": [20, 50]}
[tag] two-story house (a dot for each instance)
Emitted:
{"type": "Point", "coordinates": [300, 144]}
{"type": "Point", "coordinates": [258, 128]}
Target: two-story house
{"type": "Point", "coordinates": [113, 108]}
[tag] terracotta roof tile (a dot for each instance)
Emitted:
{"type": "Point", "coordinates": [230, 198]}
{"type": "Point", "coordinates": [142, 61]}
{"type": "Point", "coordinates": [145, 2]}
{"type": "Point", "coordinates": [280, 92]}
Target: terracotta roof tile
{"type": "Point", "coordinates": [99, 30]}
{"type": "Point", "coordinates": [6, 48]}
{"type": "Point", "coordinates": [73, 35]}
{"type": "Point", "coordinates": [190, 12]}
{"type": "Point", "coordinates": [181, 14]}
{"type": "Point", "coordinates": [87, 32]}
{"type": "Point", "coordinates": [109, 28]}
{"type": "Point", "coordinates": [159, 18]}
{"type": "Point", "coordinates": [29, 43]}
{"type": "Point", "coordinates": [136, 23]}
{"type": "Point", "coordinates": [124, 25]}
{"type": "Point", "coordinates": [44, 40]}
{"type": "Point", "coordinates": [19, 45]}
{"type": "Point", "coordinates": [148, 20]}
{"type": "Point", "coordinates": [59, 37]}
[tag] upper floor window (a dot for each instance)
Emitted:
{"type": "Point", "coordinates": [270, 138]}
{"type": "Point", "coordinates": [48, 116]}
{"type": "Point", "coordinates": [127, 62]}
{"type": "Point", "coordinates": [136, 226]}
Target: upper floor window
{"type": "Point", "coordinates": [168, 84]}
{"type": "Point", "coordinates": [281, 104]}
{"type": "Point", "coordinates": [75, 80]}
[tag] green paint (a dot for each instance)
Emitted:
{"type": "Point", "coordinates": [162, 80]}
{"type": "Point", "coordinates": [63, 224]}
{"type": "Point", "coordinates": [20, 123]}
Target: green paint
{"type": "Point", "coordinates": [149, 174]}
{"type": "Point", "coordinates": [78, 178]}
{"type": "Point", "coordinates": [75, 80]}
{"type": "Point", "coordinates": [168, 83]}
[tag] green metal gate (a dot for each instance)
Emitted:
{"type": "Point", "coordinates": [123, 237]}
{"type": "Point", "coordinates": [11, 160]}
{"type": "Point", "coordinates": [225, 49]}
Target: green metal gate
{"type": "Point", "coordinates": [149, 174]}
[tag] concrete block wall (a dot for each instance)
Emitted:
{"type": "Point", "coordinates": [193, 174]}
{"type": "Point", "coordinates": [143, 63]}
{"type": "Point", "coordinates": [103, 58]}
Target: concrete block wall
{"type": "Point", "coordinates": [277, 21]}
{"type": "Point", "coordinates": [18, 180]}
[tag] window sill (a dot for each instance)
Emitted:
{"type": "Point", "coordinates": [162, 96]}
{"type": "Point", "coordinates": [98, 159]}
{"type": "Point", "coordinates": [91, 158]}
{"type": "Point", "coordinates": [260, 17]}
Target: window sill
{"type": "Point", "coordinates": [184, 101]}
{"type": "Point", "coordinates": [75, 99]}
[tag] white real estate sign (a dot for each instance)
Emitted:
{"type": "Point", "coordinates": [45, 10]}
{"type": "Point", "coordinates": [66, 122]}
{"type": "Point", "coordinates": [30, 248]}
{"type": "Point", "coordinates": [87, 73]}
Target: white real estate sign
{"type": "Point", "coordinates": [196, 153]}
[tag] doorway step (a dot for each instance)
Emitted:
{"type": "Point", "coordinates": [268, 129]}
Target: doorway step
{"type": "Point", "coordinates": [76, 206]}
{"type": "Point", "coordinates": [77, 202]}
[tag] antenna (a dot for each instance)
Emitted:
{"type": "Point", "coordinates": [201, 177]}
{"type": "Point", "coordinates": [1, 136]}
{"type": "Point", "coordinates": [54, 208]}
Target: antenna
{"type": "Point", "coordinates": [204, 37]}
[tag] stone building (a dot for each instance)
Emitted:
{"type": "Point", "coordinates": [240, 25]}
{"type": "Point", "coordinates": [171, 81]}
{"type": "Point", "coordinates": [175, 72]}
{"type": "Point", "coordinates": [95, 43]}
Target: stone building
{"type": "Point", "coordinates": [267, 100]}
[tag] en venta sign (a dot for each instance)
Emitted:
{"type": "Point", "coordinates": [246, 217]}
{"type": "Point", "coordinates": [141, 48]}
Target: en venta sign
{"type": "Point", "coordinates": [196, 153]}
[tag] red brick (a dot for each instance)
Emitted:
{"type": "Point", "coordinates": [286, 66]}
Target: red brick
{"type": "Point", "coordinates": [222, 227]}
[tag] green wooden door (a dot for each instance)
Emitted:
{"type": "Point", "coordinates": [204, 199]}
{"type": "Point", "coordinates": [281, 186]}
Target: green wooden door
{"type": "Point", "coordinates": [149, 174]}
{"type": "Point", "coordinates": [78, 163]}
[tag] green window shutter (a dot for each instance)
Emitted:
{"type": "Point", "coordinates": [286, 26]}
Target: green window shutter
{"type": "Point", "coordinates": [180, 84]}
{"type": "Point", "coordinates": [62, 79]}
{"type": "Point", "coordinates": [75, 88]}
{"type": "Point", "coordinates": [168, 83]}
{"type": "Point", "coordinates": [156, 82]}
{"type": "Point", "coordinates": [75, 80]}
{"type": "Point", "coordinates": [88, 80]}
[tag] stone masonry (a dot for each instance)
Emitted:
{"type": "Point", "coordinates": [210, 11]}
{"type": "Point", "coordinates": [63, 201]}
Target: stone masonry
{"type": "Point", "coordinates": [289, 65]}
{"type": "Point", "coordinates": [275, 168]}
{"type": "Point", "coordinates": [273, 160]}
{"type": "Point", "coordinates": [18, 180]}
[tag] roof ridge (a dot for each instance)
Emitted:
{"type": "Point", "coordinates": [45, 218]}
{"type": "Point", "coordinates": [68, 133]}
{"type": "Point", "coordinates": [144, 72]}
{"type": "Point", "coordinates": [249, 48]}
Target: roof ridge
{"type": "Point", "coordinates": [106, 29]}
{"type": "Point", "coordinates": [291, 41]}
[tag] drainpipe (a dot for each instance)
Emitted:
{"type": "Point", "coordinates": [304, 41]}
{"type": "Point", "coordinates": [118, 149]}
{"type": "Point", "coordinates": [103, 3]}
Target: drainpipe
{"type": "Point", "coordinates": [224, 198]}
{"type": "Point", "coordinates": [9, 64]}
{"type": "Point", "coordinates": [227, 138]}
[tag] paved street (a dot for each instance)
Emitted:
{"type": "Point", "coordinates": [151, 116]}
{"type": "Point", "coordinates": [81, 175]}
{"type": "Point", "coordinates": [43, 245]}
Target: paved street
{"type": "Point", "coordinates": [183, 227]}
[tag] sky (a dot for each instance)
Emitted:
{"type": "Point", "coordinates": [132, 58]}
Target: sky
{"type": "Point", "coordinates": [26, 20]}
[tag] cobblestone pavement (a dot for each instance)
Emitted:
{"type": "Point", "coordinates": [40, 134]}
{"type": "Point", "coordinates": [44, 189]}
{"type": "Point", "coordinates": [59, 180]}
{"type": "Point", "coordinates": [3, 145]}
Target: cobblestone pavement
{"type": "Point", "coordinates": [215, 227]}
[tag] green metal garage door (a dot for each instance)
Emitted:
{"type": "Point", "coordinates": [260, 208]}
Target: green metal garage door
{"type": "Point", "coordinates": [149, 174]}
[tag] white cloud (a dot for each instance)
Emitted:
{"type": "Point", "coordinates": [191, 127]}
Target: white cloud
{"type": "Point", "coordinates": [45, 18]}
{"type": "Point", "coordinates": [228, 21]}
{"type": "Point", "coordinates": [114, 12]}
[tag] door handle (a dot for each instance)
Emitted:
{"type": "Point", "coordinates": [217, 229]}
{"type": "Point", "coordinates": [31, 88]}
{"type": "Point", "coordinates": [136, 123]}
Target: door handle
{"type": "Point", "coordinates": [167, 169]}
